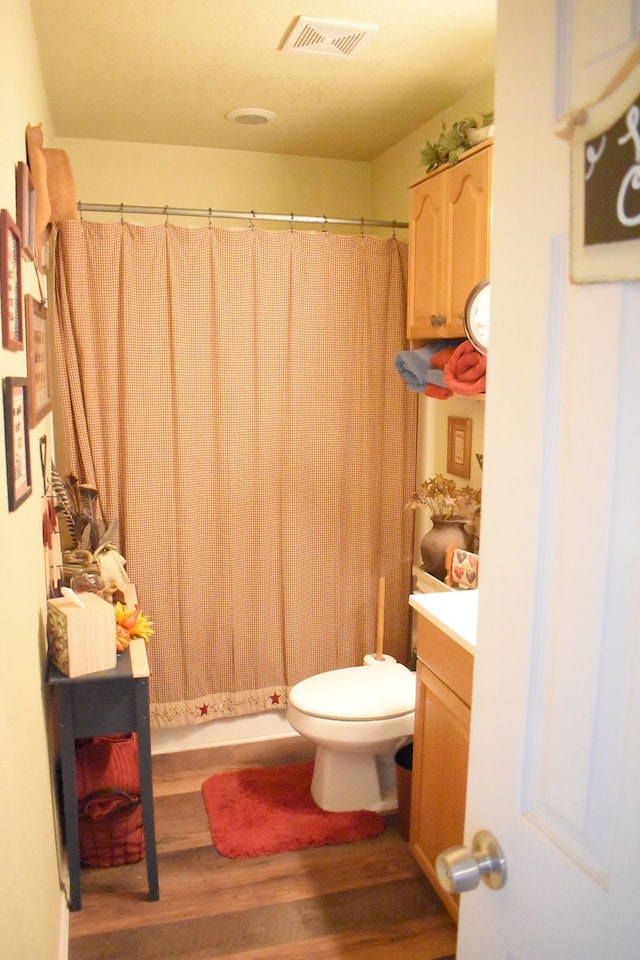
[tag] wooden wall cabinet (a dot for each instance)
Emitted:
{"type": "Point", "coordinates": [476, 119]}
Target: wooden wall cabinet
{"type": "Point", "coordinates": [440, 750]}
{"type": "Point", "coordinates": [449, 244]}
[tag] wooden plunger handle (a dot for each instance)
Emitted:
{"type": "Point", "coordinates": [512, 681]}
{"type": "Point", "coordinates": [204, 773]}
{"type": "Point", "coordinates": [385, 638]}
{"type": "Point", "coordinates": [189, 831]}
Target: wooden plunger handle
{"type": "Point", "coordinates": [380, 621]}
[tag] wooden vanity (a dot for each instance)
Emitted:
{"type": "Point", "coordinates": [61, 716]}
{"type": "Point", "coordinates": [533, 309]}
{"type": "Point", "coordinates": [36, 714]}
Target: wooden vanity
{"type": "Point", "coordinates": [446, 634]}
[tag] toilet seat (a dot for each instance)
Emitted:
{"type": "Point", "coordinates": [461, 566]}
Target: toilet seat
{"type": "Point", "coordinates": [357, 693]}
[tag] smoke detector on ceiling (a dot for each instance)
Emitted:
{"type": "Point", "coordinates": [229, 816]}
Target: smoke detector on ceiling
{"type": "Point", "coordinates": [337, 38]}
{"type": "Point", "coordinates": [250, 116]}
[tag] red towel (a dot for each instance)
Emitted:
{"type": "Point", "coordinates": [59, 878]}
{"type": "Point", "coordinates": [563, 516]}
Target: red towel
{"type": "Point", "coordinates": [438, 393]}
{"type": "Point", "coordinates": [107, 762]}
{"type": "Point", "coordinates": [440, 359]}
{"type": "Point", "coordinates": [466, 371]}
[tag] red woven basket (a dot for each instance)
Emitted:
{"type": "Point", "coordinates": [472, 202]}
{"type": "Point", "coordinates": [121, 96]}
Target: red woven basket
{"type": "Point", "coordinates": [109, 809]}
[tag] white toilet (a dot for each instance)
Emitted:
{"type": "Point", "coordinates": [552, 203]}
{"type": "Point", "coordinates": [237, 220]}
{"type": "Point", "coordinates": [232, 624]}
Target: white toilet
{"type": "Point", "coordinates": [358, 717]}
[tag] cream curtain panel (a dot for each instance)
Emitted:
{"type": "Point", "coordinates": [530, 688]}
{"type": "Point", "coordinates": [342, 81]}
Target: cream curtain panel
{"type": "Point", "coordinates": [232, 395]}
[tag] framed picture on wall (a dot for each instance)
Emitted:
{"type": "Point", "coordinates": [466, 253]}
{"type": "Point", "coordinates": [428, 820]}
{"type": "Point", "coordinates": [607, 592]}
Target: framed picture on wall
{"type": "Point", "coordinates": [16, 438]}
{"type": "Point", "coordinates": [11, 283]}
{"type": "Point", "coordinates": [459, 447]}
{"type": "Point", "coordinates": [38, 363]}
{"type": "Point", "coordinates": [26, 210]}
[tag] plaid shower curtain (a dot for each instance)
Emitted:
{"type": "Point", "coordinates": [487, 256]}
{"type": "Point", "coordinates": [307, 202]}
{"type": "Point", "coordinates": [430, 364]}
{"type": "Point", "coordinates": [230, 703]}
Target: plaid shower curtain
{"type": "Point", "coordinates": [232, 395]}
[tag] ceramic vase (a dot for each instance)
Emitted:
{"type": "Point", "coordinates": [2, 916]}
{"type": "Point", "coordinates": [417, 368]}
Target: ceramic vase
{"type": "Point", "coordinates": [434, 544]}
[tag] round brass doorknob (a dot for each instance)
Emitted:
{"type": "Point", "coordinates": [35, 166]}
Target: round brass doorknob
{"type": "Point", "coordinates": [462, 868]}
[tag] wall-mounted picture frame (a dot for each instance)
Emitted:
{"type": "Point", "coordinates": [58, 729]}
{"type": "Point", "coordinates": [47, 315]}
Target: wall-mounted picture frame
{"type": "Point", "coordinates": [16, 438]}
{"type": "Point", "coordinates": [26, 210]}
{"type": "Point", "coordinates": [11, 283]}
{"type": "Point", "coordinates": [38, 359]}
{"type": "Point", "coordinates": [459, 446]}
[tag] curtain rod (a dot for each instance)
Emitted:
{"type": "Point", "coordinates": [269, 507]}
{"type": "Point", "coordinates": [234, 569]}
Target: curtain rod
{"type": "Point", "coordinates": [122, 208]}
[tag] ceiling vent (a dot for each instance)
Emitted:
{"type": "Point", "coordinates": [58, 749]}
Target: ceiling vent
{"type": "Point", "coordinates": [337, 38]}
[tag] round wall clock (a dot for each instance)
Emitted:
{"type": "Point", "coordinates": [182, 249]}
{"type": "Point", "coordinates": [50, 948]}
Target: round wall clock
{"type": "Point", "coordinates": [476, 316]}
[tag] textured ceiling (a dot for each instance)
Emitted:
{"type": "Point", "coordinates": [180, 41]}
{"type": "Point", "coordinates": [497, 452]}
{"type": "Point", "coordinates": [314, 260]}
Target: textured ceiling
{"type": "Point", "coordinates": [167, 71]}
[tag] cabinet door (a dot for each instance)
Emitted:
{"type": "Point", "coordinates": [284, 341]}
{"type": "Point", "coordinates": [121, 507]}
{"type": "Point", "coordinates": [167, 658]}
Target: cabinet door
{"type": "Point", "coordinates": [449, 235]}
{"type": "Point", "coordinates": [426, 297]}
{"type": "Point", "coordinates": [439, 778]}
{"type": "Point", "coordinates": [468, 191]}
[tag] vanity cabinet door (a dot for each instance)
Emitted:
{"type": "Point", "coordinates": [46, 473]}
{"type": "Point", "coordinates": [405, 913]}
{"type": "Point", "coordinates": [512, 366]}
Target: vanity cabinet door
{"type": "Point", "coordinates": [444, 677]}
{"type": "Point", "coordinates": [439, 778]}
{"type": "Point", "coordinates": [449, 235]}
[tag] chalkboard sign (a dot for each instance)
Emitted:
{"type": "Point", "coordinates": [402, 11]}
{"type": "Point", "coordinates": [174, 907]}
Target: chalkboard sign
{"type": "Point", "coordinates": [605, 183]}
{"type": "Point", "coordinates": [612, 181]}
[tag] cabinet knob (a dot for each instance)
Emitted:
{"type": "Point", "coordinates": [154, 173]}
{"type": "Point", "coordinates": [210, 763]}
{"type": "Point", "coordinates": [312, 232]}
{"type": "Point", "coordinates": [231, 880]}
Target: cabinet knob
{"type": "Point", "coordinates": [461, 868]}
{"type": "Point", "coordinates": [437, 320]}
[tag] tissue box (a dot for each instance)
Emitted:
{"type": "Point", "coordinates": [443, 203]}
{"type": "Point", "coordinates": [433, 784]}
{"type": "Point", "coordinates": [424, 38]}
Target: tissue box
{"type": "Point", "coordinates": [81, 640]}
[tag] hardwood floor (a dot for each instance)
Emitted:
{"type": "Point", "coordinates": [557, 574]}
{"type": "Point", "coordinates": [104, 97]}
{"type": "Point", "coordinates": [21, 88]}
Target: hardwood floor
{"type": "Point", "coordinates": [353, 901]}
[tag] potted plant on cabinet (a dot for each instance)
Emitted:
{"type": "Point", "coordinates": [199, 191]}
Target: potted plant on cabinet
{"type": "Point", "coordinates": [455, 140]}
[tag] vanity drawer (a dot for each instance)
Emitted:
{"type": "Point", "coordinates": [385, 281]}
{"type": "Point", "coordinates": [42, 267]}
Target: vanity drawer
{"type": "Point", "coordinates": [445, 657]}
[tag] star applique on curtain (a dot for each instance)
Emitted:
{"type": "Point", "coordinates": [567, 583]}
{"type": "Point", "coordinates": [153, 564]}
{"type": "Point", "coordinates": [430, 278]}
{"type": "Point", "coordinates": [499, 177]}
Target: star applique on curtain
{"type": "Point", "coordinates": [275, 698]}
{"type": "Point", "coordinates": [204, 709]}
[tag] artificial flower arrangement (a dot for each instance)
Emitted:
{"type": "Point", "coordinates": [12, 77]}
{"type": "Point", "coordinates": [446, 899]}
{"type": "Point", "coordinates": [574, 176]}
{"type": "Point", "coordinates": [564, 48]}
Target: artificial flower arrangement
{"type": "Point", "coordinates": [445, 499]}
{"type": "Point", "coordinates": [129, 624]}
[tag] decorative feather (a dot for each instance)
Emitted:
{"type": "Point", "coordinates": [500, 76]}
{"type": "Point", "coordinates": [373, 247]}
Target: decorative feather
{"type": "Point", "coordinates": [108, 537]}
{"type": "Point", "coordinates": [64, 501]}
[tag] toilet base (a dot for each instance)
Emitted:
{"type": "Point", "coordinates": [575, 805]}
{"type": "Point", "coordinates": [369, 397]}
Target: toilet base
{"type": "Point", "coordinates": [345, 781]}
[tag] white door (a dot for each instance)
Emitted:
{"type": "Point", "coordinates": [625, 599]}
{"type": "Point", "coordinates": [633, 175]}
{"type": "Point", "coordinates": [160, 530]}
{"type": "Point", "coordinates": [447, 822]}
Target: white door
{"type": "Point", "coordinates": [555, 738]}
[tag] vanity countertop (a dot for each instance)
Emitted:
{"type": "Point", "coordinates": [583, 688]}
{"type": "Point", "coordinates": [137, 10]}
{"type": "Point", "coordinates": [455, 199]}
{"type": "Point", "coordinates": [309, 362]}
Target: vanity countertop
{"type": "Point", "coordinates": [455, 613]}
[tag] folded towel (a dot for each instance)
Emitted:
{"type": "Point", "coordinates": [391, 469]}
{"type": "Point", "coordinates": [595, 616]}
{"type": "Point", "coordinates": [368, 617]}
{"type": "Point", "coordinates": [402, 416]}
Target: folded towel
{"type": "Point", "coordinates": [413, 365]}
{"type": "Point", "coordinates": [437, 393]}
{"type": "Point", "coordinates": [442, 357]}
{"type": "Point", "coordinates": [465, 372]}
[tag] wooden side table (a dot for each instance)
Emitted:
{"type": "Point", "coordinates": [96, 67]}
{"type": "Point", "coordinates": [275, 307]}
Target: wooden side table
{"type": "Point", "coordinates": [99, 704]}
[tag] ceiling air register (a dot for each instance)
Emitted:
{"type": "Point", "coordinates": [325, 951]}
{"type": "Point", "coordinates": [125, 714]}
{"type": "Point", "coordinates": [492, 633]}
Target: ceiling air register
{"type": "Point", "coordinates": [337, 38]}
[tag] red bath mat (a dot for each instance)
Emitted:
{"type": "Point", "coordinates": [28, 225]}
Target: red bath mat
{"type": "Point", "coordinates": [267, 810]}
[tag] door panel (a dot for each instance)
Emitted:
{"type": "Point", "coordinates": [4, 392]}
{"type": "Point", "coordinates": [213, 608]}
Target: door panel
{"type": "Point", "coordinates": [554, 766]}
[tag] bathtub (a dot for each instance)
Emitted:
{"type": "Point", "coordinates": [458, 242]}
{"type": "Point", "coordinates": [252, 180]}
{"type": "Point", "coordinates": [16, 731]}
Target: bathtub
{"type": "Point", "coordinates": [270, 725]}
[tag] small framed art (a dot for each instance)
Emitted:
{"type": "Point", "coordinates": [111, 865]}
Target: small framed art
{"type": "Point", "coordinates": [459, 447]}
{"type": "Point", "coordinates": [38, 362]}
{"type": "Point", "coordinates": [26, 210]}
{"type": "Point", "coordinates": [10, 283]}
{"type": "Point", "coordinates": [16, 437]}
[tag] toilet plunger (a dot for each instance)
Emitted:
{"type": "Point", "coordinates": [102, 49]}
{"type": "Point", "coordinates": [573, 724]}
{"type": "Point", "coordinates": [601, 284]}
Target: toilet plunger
{"type": "Point", "coordinates": [380, 622]}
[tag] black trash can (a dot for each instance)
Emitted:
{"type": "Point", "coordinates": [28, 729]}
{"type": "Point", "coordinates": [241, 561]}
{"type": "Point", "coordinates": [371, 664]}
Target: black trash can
{"type": "Point", "coordinates": [404, 765]}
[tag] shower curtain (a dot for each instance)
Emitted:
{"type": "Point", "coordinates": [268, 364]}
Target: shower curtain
{"type": "Point", "coordinates": [231, 393]}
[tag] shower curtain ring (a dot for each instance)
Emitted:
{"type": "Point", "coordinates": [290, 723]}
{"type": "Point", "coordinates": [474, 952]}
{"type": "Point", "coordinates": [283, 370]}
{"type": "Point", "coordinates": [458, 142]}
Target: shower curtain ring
{"type": "Point", "coordinates": [251, 223]}
{"type": "Point", "coordinates": [209, 217]}
{"type": "Point", "coordinates": [166, 215]}
{"type": "Point", "coordinates": [394, 230]}
{"type": "Point", "coordinates": [362, 226]}
{"type": "Point", "coordinates": [122, 213]}
{"type": "Point", "coordinates": [324, 226]}
{"type": "Point", "coordinates": [291, 227]}
{"type": "Point", "coordinates": [80, 210]}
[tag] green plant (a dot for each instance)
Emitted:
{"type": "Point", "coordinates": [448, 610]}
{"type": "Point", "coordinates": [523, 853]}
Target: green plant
{"type": "Point", "coordinates": [452, 142]}
{"type": "Point", "coordinates": [445, 499]}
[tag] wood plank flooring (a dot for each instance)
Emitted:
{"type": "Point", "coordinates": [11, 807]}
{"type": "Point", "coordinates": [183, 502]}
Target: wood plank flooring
{"type": "Point", "coordinates": [353, 901]}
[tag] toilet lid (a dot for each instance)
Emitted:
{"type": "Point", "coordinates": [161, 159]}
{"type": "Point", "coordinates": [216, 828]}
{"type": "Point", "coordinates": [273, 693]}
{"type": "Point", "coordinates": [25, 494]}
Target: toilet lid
{"type": "Point", "coordinates": [357, 693]}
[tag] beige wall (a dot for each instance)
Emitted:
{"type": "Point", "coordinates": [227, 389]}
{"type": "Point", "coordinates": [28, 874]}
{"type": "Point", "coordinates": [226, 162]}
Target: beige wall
{"type": "Point", "coordinates": [32, 912]}
{"type": "Point", "coordinates": [199, 178]}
